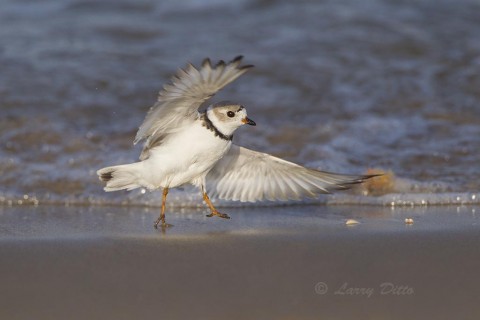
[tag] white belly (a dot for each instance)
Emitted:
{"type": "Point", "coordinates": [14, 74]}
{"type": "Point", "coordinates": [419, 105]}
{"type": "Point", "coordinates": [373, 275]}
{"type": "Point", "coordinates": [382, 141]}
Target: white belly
{"type": "Point", "coordinates": [185, 158]}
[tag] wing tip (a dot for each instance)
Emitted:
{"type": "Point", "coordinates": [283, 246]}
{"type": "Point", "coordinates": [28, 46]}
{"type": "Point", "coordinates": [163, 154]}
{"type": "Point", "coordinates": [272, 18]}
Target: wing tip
{"type": "Point", "coordinates": [220, 63]}
{"type": "Point", "coordinates": [369, 176]}
{"type": "Point", "coordinates": [248, 66]}
{"type": "Point", "coordinates": [237, 59]}
{"type": "Point", "coordinates": [206, 62]}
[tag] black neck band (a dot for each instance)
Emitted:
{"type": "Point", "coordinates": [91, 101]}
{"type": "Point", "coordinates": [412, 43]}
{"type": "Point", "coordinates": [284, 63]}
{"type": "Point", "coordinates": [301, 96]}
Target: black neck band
{"type": "Point", "coordinates": [210, 126]}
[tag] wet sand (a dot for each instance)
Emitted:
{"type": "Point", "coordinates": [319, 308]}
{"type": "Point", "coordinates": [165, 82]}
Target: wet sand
{"type": "Point", "coordinates": [298, 262]}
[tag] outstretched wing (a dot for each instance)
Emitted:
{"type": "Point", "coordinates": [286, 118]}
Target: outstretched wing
{"type": "Point", "coordinates": [178, 102]}
{"type": "Point", "coordinates": [247, 175]}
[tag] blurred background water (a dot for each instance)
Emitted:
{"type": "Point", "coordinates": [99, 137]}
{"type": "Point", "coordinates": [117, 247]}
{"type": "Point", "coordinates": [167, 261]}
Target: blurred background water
{"type": "Point", "coordinates": [338, 85]}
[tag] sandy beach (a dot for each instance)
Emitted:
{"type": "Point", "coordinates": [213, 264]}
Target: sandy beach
{"type": "Point", "coordinates": [296, 262]}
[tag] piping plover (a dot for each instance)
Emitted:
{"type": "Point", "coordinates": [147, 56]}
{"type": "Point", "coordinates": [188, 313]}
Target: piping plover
{"type": "Point", "coordinates": [185, 146]}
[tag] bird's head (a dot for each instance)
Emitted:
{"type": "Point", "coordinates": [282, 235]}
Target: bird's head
{"type": "Point", "coordinates": [228, 116]}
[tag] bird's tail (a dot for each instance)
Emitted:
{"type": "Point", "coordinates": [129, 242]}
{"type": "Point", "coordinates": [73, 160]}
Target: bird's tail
{"type": "Point", "coordinates": [126, 176]}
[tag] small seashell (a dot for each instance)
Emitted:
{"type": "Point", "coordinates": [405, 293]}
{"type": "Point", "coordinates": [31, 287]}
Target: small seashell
{"type": "Point", "coordinates": [351, 222]}
{"type": "Point", "coordinates": [408, 221]}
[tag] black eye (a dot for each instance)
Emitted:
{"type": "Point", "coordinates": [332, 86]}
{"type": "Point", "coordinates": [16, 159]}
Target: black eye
{"type": "Point", "coordinates": [231, 114]}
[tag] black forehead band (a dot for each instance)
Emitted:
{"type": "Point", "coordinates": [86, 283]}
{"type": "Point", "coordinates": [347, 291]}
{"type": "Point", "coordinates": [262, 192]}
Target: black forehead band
{"type": "Point", "coordinates": [241, 108]}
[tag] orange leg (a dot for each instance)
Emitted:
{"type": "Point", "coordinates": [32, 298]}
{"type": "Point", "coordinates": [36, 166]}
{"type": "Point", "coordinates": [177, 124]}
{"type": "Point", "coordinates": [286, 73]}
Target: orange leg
{"type": "Point", "coordinates": [161, 218]}
{"type": "Point", "coordinates": [212, 208]}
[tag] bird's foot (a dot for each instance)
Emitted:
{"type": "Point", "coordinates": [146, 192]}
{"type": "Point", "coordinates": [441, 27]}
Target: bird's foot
{"type": "Point", "coordinates": [162, 224]}
{"type": "Point", "coordinates": [218, 214]}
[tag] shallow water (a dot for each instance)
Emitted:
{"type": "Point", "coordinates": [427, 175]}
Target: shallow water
{"type": "Point", "coordinates": [341, 86]}
{"type": "Point", "coordinates": [58, 223]}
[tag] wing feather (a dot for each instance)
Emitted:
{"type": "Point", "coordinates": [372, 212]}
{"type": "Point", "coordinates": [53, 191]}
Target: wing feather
{"type": "Point", "coordinates": [250, 176]}
{"type": "Point", "coordinates": [178, 101]}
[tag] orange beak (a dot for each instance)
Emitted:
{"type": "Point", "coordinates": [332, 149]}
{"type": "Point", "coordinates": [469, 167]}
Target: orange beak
{"type": "Point", "coordinates": [246, 120]}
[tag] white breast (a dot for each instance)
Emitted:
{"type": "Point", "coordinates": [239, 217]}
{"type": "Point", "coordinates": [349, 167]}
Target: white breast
{"type": "Point", "coordinates": [186, 157]}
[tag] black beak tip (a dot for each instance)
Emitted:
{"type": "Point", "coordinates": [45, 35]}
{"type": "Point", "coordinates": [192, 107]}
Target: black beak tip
{"type": "Point", "coordinates": [251, 122]}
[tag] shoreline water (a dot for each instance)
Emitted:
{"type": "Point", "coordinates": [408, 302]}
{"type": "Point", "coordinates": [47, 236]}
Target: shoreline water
{"type": "Point", "coordinates": [192, 200]}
